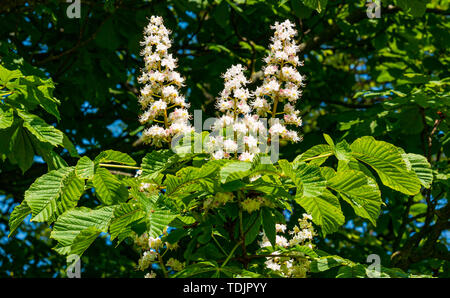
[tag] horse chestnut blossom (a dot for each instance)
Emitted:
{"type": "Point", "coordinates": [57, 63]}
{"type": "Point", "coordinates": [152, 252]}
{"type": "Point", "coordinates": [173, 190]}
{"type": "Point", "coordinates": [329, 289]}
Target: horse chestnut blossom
{"type": "Point", "coordinates": [294, 265]}
{"type": "Point", "coordinates": [281, 84]}
{"type": "Point", "coordinates": [165, 107]}
{"type": "Point", "coordinates": [237, 129]}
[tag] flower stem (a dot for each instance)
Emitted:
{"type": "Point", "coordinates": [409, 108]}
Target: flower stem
{"type": "Point", "coordinates": [163, 268]}
{"type": "Point", "coordinates": [107, 165]}
{"type": "Point", "coordinates": [231, 254]}
{"type": "Point", "coordinates": [319, 156]}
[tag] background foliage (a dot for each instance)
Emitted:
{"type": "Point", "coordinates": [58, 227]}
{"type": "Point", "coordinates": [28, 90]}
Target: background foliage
{"type": "Point", "coordinates": [75, 80]}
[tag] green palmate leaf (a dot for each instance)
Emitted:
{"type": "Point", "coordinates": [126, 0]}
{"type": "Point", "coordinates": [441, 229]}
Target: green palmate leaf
{"type": "Point", "coordinates": [6, 118]}
{"type": "Point", "coordinates": [316, 155]}
{"type": "Point", "coordinates": [108, 188]}
{"type": "Point", "coordinates": [360, 191]}
{"type": "Point", "coordinates": [155, 162]}
{"type": "Point", "coordinates": [114, 156]}
{"type": "Point", "coordinates": [53, 193]}
{"type": "Point", "coordinates": [323, 206]}
{"type": "Point", "coordinates": [19, 213]}
{"type": "Point", "coordinates": [39, 128]}
{"type": "Point", "coordinates": [234, 170]}
{"type": "Point", "coordinates": [353, 164]}
{"type": "Point", "coordinates": [422, 168]}
{"type": "Point", "coordinates": [187, 179]}
{"type": "Point", "coordinates": [85, 168]}
{"type": "Point", "coordinates": [124, 216]}
{"type": "Point", "coordinates": [77, 228]}
{"type": "Point", "coordinates": [387, 161]}
{"type": "Point", "coordinates": [158, 220]}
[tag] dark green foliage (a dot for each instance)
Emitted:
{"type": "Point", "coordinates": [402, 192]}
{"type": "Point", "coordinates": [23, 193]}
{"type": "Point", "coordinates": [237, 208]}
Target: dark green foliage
{"type": "Point", "coordinates": [379, 89]}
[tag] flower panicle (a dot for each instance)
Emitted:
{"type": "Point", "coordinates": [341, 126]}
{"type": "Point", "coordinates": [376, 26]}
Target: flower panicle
{"type": "Point", "coordinates": [163, 104]}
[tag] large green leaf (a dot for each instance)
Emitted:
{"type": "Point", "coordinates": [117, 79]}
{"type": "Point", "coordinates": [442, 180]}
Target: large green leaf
{"type": "Point", "coordinates": [187, 179]}
{"type": "Point", "coordinates": [16, 218]}
{"type": "Point", "coordinates": [53, 193]}
{"type": "Point", "coordinates": [7, 75]}
{"type": "Point", "coordinates": [108, 188]}
{"type": "Point", "coordinates": [124, 216]}
{"type": "Point", "coordinates": [77, 228]}
{"type": "Point", "coordinates": [268, 223]}
{"type": "Point", "coordinates": [316, 155]}
{"type": "Point", "coordinates": [155, 162]}
{"type": "Point", "coordinates": [360, 191]}
{"type": "Point", "coordinates": [85, 168]}
{"type": "Point", "coordinates": [114, 156]}
{"type": "Point", "coordinates": [234, 170]}
{"type": "Point", "coordinates": [321, 204]}
{"type": "Point", "coordinates": [387, 161]}
{"type": "Point", "coordinates": [39, 128]}
{"type": "Point", "coordinates": [21, 149]}
{"type": "Point", "coordinates": [422, 168]}
{"type": "Point", "coordinates": [6, 118]}
{"type": "Point", "coordinates": [158, 220]}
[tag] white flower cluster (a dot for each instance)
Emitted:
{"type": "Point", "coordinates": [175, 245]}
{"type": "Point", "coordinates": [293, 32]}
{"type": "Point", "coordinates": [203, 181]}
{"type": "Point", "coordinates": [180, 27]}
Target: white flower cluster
{"type": "Point", "coordinates": [160, 96]}
{"type": "Point", "coordinates": [295, 264]}
{"type": "Point", "coordinates": [280, 89]}
{"type": "Point", "coordinates": [152, 252]}
{"type": "Point", "coordinates": [236, 131]}
{"type": "Point", "coordinates": [240, 128]}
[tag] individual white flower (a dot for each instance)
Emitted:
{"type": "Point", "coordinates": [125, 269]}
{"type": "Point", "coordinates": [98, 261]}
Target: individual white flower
{"type": "Point", "coordinates": [150, 275]}
{"type": "Point", "coordinates": [246, 156]}
{"type": "Point", "coordinates": [271, 86]}
{"type": "Point", "coordinates": [292, 135]}
{"type": "Point", "coordinates": [230, 146]}
{"type": "Point", "coordinates": [240, 127]}
{"type": "Point", "coordinates": [218, 154]}
{"type": "Point", "coordinates": [280, 228]}
{"type": "Point", "coordinates": [277, 129]}
{"type": "Point", "coordinates": [272, 265]}
{"type": "Point", "coordinates": [281, 241]}
{"type": "Point", "coordinates": [170, 91]}
{"type": "Point", "coordinates": [251, 141]}
{"type": "Point", "coordinates": [154, 243]}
